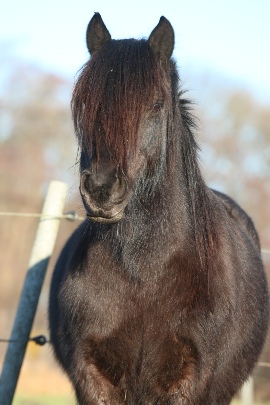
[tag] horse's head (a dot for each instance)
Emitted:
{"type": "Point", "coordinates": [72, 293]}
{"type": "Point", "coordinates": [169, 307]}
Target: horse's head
{"type": "Point", "coordinates": [120, 106]}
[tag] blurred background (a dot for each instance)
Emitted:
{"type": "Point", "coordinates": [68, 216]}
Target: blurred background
{"type": "Point", "coordinates": [222, 50]}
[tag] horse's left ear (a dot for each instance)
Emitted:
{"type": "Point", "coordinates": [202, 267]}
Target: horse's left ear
{"type": "Point", "coordinates": [161, 39]}
{"type": "Point", "coordinates": [97, 34]}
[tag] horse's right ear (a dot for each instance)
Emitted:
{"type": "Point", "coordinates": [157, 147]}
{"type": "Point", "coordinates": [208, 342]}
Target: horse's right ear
{"type": "Point", "coordinates": [97, 34]}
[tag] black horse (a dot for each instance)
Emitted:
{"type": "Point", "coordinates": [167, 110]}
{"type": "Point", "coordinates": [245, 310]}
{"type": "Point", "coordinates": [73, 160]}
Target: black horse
{"type": "Point", "coordinates": [160, 296]}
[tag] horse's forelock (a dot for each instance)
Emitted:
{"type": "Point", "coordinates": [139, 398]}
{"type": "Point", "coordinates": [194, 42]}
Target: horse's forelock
{"type": "Point", "coordinates": [112, 91]}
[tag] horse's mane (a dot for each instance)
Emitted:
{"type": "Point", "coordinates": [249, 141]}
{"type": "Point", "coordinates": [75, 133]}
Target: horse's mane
{"type": "Point", "coordinates": [200, 199]}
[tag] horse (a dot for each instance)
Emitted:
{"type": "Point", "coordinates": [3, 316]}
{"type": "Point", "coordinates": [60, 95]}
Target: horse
{"type": "Point", "coordinates": [159, 297]}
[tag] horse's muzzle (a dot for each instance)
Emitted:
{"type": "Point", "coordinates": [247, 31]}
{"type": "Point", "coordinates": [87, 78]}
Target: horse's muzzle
{"type": "Point", "coordinates": [104, 193]}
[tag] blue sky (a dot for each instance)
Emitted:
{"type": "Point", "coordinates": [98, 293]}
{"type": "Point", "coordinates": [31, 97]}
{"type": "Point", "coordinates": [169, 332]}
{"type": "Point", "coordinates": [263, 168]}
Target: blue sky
{"type": "Point", "coordinates": [229, 37]}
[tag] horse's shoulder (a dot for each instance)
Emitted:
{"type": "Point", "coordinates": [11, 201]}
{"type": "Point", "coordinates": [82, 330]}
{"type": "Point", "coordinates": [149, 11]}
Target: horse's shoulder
{"type": "Point", "coordinates": [236, 213]}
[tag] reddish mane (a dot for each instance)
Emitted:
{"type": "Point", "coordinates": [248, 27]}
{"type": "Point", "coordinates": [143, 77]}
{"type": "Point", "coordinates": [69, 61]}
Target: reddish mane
{"type": "Point", "coordinates": [114, 88]}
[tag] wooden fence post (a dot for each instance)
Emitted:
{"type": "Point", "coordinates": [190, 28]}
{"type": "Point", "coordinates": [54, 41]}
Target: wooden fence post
{"type": "Point", "coordinates": [247, 392]}
{"type": "Point", "coordinates": [39, 259]}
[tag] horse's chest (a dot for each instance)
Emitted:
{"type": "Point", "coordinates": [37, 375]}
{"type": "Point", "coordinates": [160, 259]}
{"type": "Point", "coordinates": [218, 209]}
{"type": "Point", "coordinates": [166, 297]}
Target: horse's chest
{"type": "Point", "coordinates": [128, 329]}
{"type": "Point", "coordinates": [106, 298]}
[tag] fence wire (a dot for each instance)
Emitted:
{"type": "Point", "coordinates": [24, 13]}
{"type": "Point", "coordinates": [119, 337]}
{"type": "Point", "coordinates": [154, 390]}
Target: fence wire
{"type": "Point", "coordinates": [71, 215]}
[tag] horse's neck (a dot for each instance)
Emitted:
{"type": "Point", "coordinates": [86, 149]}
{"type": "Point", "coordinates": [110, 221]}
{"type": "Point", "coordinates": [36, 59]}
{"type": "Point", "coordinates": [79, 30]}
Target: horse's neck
{"type": "Point", "coordinates": [160, 217]}
{"type": "Point", "coordinates": [151, 235]}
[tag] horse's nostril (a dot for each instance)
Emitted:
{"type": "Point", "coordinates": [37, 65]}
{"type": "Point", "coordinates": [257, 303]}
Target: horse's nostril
{"type": "Point", "coordinates": [119, 189]}
{"type": "Point", "coordinates": [85, 183]}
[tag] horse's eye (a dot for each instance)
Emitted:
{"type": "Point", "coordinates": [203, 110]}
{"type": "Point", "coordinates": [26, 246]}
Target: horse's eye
{"type": "Point", "coordinates": [157, 106]}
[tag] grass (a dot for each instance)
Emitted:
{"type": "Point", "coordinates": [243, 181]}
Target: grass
{"type": "Point", "coordinates": [68, 400]}
{"type": "Point", "coordinates": [43, 400]}
{"type": "Point", "coordinates": [238, 402]}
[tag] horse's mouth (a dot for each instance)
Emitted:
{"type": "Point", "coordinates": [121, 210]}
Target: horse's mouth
{"type": "Point", "coordinates": [103, 220]}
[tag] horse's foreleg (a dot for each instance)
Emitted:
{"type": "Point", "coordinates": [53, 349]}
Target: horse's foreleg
{"type": "Point", "coordinates": [92, 388]}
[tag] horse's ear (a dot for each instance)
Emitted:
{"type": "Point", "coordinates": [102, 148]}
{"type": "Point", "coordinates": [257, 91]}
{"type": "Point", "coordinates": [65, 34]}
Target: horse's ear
{"type": "Point", "coordinates": [97, 34]}
{"type": "Point", "coordinates": [161, 39]}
